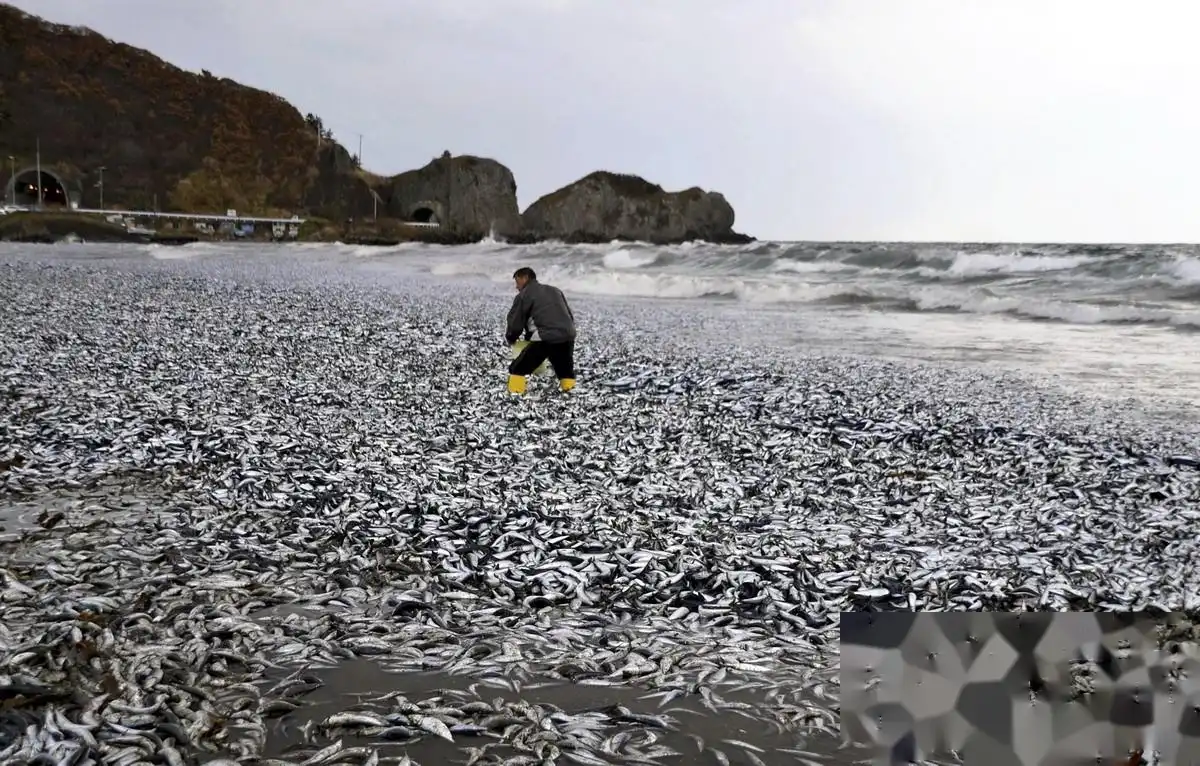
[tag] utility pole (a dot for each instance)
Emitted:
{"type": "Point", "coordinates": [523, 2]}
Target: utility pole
{"type": "Point", "coordinates": [12, 177]}
{"type": "Point", "coordinates": [39, 171]}
{"type": "Point", "coordinates": [100, 184]}
{"type": "Point", "coordinates": [360, 150]}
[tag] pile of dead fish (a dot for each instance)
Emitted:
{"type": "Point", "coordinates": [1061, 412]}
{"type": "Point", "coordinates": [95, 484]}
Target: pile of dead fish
{"type": "Point", "coordinates": [240, 477]}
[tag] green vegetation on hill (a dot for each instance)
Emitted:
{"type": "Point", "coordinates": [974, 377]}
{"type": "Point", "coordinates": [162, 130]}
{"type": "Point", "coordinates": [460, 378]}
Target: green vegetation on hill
{"type": "Point", "coordinates": [188, 141]}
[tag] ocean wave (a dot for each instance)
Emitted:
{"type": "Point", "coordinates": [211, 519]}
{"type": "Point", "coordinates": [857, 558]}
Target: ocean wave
{"type": "Point", "coordinates": [810, 267]}
{"type": "Point", "coordinates": [976, 264]}
{"type": "Point", "coordinates": [897, 297]}
{"type": "Point", "coordinates": [1186, 269]}
{"type": "Point", "coordinates": [1063, 283]}
{"type": "Point", "coordinates": [1171, 266]}
{"type": "Point", "coordinates": [1071, 312]}
{"type": "Point", "coordinates": [929, 263]}
{"type": "Point", "coordinates": [627, 258]}
{"type": "Point", "coordinates": [806, 256]}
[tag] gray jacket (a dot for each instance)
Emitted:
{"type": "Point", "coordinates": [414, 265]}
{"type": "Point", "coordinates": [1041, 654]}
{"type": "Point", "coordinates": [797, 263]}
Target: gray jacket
{"type": "Point", "coordinates": [544, 310]}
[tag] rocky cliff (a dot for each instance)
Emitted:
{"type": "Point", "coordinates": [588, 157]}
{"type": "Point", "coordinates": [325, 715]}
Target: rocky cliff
{"type": "Point", "coordinates": [194, 142]}
{"type": "Point", "coordinates": [605, 206]}
{"type": "Point", "coordinates": [161, 133]}
{"type": "Point", "coordinates": [158, 136]}
{"type": "Point", "coordinates": [475, 195]}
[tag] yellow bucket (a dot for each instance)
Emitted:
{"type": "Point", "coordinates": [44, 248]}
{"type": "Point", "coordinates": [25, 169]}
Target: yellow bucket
{"type": "Point", "coordinates": [519, 346]}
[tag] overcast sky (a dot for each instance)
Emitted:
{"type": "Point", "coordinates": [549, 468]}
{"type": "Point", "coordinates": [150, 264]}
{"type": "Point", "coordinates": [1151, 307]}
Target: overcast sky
{"type": "Point", "coordinates": [818, 119]}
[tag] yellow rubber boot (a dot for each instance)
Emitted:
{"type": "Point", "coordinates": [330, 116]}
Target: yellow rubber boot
{"type": "Point", "coordinates": [566, 384]}
{"type": "Point", "coordinates": [516, 384]}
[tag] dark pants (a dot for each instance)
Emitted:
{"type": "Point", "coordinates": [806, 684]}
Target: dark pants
{"type": "Point", "coordinates": [560, 355]}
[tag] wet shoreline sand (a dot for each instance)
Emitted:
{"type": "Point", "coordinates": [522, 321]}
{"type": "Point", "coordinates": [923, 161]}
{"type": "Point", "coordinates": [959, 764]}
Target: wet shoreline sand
{"type": "Point", "coordinates": [363, 681]}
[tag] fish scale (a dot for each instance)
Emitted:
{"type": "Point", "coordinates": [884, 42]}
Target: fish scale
{"type": "Point", "coordinates": [297, 438]}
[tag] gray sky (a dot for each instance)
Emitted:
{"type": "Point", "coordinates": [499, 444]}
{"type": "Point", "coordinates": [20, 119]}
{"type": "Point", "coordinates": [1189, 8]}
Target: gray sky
{"type": "Point", "coordinates": [819, 119]}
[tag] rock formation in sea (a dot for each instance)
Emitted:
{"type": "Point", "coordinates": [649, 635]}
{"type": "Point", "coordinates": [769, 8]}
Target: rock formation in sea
{"type": "Point", "coordinates": [476, 195]}
{"type": "Point", "coordinates": [604, 206]}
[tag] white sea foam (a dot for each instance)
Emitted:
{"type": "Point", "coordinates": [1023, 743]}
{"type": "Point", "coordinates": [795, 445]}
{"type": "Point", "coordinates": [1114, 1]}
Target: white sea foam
{"type": "Point", "coordinates": [624, 258]}
{"type": "Point", "coordinates": [974, 264]}
{"type": "Point", "coordinates": [1186, 270]}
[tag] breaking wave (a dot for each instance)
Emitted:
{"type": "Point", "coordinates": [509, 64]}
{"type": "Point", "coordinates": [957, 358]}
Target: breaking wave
{"type": "Point", "coordinates": [870, 297]}
{"type": "Point", "coordinates": [1077, 284]}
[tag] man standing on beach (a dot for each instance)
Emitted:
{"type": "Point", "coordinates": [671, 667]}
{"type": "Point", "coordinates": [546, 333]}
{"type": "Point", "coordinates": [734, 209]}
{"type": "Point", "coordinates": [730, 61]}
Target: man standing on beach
{"type": "Point", "coordinates": [542, 310]}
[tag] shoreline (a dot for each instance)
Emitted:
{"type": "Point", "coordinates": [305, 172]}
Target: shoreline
{"type": "Point", "coordinates": [1054, 394]}
{"type": "Point", "coordinates": [53, 227]}
{"type": "Point", "coordinates": [279, 466]}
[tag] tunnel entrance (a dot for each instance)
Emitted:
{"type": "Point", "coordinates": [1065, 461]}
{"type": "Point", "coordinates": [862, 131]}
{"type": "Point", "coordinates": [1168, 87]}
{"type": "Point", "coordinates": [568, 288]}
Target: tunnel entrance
{"type": "Point", "coordinates": [24, 187]}
{"type": "Point", "coordinates": [424, 215]}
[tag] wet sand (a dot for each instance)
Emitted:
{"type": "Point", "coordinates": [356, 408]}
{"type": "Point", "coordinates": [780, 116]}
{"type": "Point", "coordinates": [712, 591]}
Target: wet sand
{"type": "Point", "coordinates": [20, 516]}
{"type": "Point", "coordinates": [355, 683]}
{"type": "Point", "coordinates": [27, 515]}
{"type": "Point", "coordinates": [14, 520]}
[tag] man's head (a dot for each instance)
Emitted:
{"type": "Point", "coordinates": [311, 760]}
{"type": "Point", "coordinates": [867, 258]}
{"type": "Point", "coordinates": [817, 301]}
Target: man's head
{"type": "Point", "coordinates": [524, 276]}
